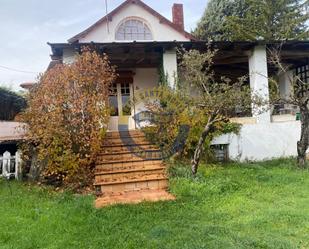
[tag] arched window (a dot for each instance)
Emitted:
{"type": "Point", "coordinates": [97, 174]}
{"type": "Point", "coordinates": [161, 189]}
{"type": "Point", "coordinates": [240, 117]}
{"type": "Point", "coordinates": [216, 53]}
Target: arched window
{"type": "Point", "coordinates": [133, 29]}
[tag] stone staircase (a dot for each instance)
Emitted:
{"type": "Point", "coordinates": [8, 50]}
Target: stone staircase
{"type": "Point", "coordinates": [129, 170]}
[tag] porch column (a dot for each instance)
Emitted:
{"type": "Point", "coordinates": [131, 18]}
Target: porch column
{"type": "Point", "coordinates": [285, 89]}
{"type": "Point", "coordinates": [285, 84]}
{"type": "Point", "coordinates": [259, 83]}
{"type": "Point", "coordinates": [170, 67]}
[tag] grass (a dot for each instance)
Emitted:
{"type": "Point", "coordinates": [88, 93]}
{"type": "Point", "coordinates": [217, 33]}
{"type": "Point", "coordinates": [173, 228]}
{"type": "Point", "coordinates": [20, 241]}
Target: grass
{"type": "Point", "coordinates": [260, 205]}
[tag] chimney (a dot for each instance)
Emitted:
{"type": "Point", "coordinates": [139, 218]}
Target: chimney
{"type": "Point", "coordinates": [178, 15]}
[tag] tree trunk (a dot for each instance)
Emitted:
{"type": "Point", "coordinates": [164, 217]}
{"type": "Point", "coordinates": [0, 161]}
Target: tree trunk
{"type": "Point", "coordinates": [199, 147]}
{"type": "Point", "coordinates": [303, 143]}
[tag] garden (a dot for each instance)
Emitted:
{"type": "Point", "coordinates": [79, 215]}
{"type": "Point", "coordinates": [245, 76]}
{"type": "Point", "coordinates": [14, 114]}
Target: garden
{"type": "Point", "coordinates": [249, 205]}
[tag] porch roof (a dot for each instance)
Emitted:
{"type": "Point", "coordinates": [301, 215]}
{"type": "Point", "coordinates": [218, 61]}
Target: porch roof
{"type": "Point", "coordinates": [11, 131]}
{"type": "Point", "coordinates": [230, 55]}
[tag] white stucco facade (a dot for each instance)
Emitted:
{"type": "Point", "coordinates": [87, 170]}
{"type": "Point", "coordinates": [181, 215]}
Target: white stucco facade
{"type": "Point", "coordinates": [144, 79]}
{"type": "Point", "coordinates": [262, 141]}
{"type": "Point", "coordinates": [170, 67]}
{"type": "Point", "coordinates": [105, 32]}
{"type": "Point", "coordinates": [259, 83]}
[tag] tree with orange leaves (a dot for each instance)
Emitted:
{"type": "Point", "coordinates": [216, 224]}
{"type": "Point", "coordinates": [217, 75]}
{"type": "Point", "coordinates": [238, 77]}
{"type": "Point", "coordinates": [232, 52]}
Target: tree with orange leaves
{"type": "Point", "coordinates": [67, 117]}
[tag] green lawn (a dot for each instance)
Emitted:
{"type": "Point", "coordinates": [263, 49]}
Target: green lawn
{"type": "Point", "coordinates": [261, 205]}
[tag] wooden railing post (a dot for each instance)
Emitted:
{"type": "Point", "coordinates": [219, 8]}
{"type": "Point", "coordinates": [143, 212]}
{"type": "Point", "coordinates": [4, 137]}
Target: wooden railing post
{"type": "Point", "coordinates": [6, 163]}
{"type": "Point", "coordinates": [1, 165]}
{"type": "Point", "coordinates": [18, 163]}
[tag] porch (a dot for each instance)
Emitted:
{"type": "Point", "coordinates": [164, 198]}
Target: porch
{"type": "Point", "coordinates": [140, 65]}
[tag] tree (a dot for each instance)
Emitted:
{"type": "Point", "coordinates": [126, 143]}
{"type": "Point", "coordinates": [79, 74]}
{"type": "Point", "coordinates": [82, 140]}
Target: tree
{"type": "Point", "coordinates": [213, 24]}
{"type": "Point", "coordinates": [11, 104]}
{"type": "Point", "coordinates": [216, 99]}
{"type": "Point", "coordinates": [67, 116]}
{"type": "Point", "coordinates": [179, 122]}
{"type": "Point", "coordinates": [271, 20]}
{"type": "Point", "coordinates": [299, 96]}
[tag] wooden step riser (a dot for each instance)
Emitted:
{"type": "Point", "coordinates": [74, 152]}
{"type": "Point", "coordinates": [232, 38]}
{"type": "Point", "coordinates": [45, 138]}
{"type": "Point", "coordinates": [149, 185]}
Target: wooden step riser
{"type": "Point", "coordinates": [126, 177]}
{"type": "Point", "coordinates": [134, 197]}
{"type": "Point", "coordinates": [129, 157]}
{"type": "Point", "coordinates": [124, 134]}
{"type": "Point", "coordinates": [135, 152]}
{"type": "Point", "coordinates": [140, 140]}
{"type": "Point", "coordinates": [129, 175]}
{"type": "Point", "coordinates": [137, 186]}
{"type": "Point", "coordinates": [126, 149]}
{"type": "Point", "coordinates": [125, 165]}
{"type": "Point", "coordinates": [126, 138]}
{"type": "Point", "coordinates": [122, 168]}
{"type": "Point", "coordinates": [113, 168]}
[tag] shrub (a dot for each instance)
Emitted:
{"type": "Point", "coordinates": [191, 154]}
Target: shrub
{"type": "Point", "coordinates": [67, 116]}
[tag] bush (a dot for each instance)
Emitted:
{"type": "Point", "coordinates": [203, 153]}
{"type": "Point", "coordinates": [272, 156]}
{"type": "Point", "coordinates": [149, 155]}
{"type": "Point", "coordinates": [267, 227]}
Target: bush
{"type": "Point", "coordinates": [170, 113]}
{"type": "Point", "coordinates": [67, 116]}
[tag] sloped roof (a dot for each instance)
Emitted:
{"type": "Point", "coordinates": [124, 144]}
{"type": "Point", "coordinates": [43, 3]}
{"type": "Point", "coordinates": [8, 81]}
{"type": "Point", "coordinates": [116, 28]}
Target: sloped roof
{"type": "Point", "coordinates": [11, 131]}
{"type": "Point", "coordinates": [122, 6]}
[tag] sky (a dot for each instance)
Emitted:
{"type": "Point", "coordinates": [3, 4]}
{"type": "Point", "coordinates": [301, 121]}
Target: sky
{"type": "Point", "coordinates": [27, 26]}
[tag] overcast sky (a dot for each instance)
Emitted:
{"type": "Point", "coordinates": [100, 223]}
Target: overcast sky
{"type": "Point", "coordinates": [27, 25]}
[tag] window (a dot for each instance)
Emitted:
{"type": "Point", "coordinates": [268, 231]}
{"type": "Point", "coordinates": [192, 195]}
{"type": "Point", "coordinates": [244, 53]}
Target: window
{"type": "Point", "coordinates": [303, 73]}
{"type": "Point", "coordinates": [125, 99]}
{"type": "Point", "coordinates": [133, 29]}
{"type": "Point", "coordinates": [113, 100]}
{"type": "Point", "coordinates": [221, 152]}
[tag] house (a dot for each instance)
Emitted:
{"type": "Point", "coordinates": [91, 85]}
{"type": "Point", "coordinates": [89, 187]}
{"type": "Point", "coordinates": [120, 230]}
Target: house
{"type": "Point", "coordinates": [140, 42]}
{"type": "Point", "coordinates": [137, 40]}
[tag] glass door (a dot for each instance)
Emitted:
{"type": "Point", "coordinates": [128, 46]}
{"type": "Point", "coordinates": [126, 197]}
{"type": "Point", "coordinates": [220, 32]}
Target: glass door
{"type": "Point", "coordinates": [113, 101]}
{"type": "Point", "coordinates": [126, 105]}
{"type": "Point", "coordinates": [120, 99]}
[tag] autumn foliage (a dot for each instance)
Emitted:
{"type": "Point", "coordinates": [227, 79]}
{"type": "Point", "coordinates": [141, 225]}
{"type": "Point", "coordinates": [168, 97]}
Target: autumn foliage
{"type": "Point", "coordinates": [67, 117]}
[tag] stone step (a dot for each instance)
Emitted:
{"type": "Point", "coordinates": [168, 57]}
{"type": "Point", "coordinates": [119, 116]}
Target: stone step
{"type": "Point", "coordinates": [124, 165]}
{"type": "Point", "coordinates": [128, 170]}
{"type": "Point", "coordinates": [120, 175]}
{"type": "Point", "coordinates": [120, 144]}
{"type": "Point", "coordinates": [128, 167]}
{"type": "Point", "coordinates": [127, 148]}
{"type": "Point", "coordinates": [120, 153]}
{"type": "Point", "coordinates": [129, 156]}
{"type": "Point", "coordinates": [120, 178]}
{"type": "Point", "coordinates": [133, 197]}
{"type": "Point", "coordinates": [154, 183]}
{"type": "Point", "coordinates": [128, 137]}
{"type": "Point", "coordinates": [137, 160]}
{"type": "Point", "coordinates": [126, 142]}
{"type": "Point", "coordinates": [117, 134]}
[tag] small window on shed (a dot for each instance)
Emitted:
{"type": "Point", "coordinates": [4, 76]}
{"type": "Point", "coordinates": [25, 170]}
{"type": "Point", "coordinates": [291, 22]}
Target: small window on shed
{"type": "Point", "coordinates": [221, 152]}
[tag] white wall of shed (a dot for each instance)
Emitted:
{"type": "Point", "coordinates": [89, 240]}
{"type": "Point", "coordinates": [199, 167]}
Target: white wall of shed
{"type": "Point", "coordinates": [264, 141]}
